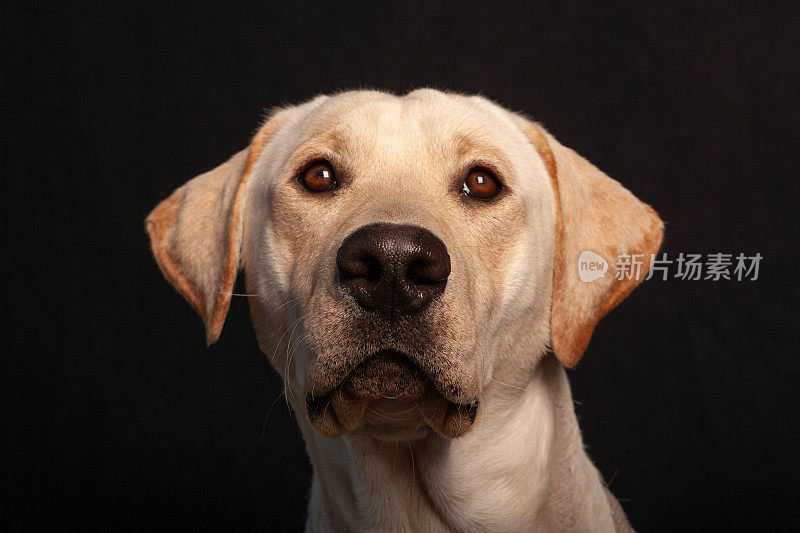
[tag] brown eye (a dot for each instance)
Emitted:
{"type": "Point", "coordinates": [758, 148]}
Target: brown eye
{"type": "Point", "coordinates": [481, 184]}
{"type": "Point", "coordinates": [319, 177]}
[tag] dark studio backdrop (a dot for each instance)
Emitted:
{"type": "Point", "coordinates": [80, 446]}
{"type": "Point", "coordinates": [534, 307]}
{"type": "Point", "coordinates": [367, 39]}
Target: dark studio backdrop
{"type": "Point", "coordinates": [115, 413]}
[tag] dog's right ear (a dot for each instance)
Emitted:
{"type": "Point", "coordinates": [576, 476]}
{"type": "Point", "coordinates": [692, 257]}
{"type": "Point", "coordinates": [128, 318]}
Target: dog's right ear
{"type": "Point", "coordinates": [196, 233]}
{"type": "Point", "coordinates": [597, 214]}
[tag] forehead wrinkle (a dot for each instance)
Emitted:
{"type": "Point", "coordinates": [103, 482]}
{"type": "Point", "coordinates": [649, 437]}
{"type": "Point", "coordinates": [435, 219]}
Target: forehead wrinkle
{"type": "Point", "coordinates": [338, 140]}
{"type": "Point", "coordinates": [460, 140]}
{"type": "Point", "coordinates": [468, 148]}
{"type": "Point", "coordinates": [353, 133]}
{"type": "Point", "coordinates": [329, 132]}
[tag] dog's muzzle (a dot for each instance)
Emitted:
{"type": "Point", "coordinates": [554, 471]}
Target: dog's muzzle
{"type": "Point", "coordinates": [392, 273]}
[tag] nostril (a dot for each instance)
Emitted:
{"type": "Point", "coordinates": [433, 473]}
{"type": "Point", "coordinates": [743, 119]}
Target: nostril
{"type": "Point", "coordinates": [372, 270]}
{"type": "Point", "coordinates": [422, 272]}
{"type": "Point", "coordinates": [416, 274]}
{"type": "Point", "coordinates": [364, 266]}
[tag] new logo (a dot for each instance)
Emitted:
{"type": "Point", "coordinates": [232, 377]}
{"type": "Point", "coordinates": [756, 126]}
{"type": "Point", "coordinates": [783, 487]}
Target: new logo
{"type": "Point", "coordinates": [591, 266]}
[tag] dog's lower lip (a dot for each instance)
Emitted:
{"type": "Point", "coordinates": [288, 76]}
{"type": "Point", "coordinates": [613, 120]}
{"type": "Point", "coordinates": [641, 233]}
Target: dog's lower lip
{"type": "Point", "coordinates": [336, 415]}
{"type": "Point", "coordinates": [381, 382]}
{"type": "Point", "coordinates": [387, 353]}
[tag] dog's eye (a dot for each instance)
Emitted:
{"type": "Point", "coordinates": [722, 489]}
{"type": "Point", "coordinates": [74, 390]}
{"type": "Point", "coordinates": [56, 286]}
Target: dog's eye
{"type": "Point", "coordinates": [481, 184]}
{"type": "Point", "coordinates": [319, 177]}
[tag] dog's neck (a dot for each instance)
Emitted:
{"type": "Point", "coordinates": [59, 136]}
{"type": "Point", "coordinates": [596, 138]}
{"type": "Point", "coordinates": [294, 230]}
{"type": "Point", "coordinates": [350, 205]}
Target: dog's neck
{"type": "Point", "coordinates": [522, 467]}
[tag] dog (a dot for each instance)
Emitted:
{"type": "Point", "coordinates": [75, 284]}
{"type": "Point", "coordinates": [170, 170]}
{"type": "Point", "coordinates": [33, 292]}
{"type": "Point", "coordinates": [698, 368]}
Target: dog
{"type": "Point", "coordinates": [412, 267]}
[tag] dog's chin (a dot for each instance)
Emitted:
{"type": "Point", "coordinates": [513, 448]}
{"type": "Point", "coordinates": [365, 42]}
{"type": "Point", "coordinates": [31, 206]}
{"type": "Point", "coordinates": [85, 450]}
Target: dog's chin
{"type": "Point", "coordinates": [389, 398]}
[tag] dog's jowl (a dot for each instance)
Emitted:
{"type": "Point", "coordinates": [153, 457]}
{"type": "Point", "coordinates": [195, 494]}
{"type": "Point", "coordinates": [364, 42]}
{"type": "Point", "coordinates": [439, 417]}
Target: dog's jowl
{"type": "Point", "coordinates": [414, 265]}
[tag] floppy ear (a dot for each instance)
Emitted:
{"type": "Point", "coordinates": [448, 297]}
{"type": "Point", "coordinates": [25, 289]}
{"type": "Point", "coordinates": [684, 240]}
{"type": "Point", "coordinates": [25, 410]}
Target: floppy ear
{"type": "Point", "coordinates": [597, 214]}
{"type": "Point", "coordinates": [196, 233]}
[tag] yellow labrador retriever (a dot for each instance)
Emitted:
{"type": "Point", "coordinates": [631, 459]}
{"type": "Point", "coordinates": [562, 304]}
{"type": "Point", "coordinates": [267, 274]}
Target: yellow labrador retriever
{"type": "Point", "coordinates": [413, 266]}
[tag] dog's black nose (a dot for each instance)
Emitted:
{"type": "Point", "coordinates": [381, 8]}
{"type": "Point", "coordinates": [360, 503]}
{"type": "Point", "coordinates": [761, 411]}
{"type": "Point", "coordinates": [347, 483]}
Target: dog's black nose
{"type": "Point", "coordinates": [393, 269]}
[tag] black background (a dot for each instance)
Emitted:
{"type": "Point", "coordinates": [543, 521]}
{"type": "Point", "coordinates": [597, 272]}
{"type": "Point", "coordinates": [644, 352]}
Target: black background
{"type": "Point", "coordinates": [114, 412]}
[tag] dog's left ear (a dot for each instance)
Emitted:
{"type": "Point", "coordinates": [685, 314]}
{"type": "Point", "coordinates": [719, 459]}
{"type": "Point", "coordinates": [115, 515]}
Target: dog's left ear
{"type": "Point", "coordinates": [596, 215]}
{"type": "Point", "coordinates": [196, 233]}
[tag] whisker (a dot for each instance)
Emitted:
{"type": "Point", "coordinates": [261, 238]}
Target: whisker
{"type": "Point", "coordinates": [389, 417]}
{"type": "Point", "coordinates": [284, 303]}
{"type": "Point", "coordinates": [294, 350]}
{"type": "Point", "coordinates": [394, 466]}
{"type": "Point", "coordinates": [226, 293]}
{"type": "Point", "coordinates": [297, 343]}
{"type": "Point", "coordinates": [412, 408]}
{"type": "Point", "coordinates": [413, 469]}
{"type": "Point", "coordinates": [269, 411]}
{"type": "Point", "coordinates": [286, 368]}
{"type": "Point", "coordinates": [508, 385]}
{"type": "Point", "coordinates": [277, 345]}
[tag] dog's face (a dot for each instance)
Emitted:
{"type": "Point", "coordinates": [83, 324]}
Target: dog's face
{"type": "Point", "coordinates": [399, 234]}
{"type": "Point", "coordinates": [400, 252]}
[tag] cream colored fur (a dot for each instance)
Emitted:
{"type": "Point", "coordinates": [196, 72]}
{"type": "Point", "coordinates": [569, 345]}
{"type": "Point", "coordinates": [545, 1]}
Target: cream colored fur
{"type": "Point", "coordinates": [513, 312]}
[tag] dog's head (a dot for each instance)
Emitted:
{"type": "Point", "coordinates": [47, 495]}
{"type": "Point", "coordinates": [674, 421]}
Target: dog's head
{"type": "Point", "coordinates": [401, 253]}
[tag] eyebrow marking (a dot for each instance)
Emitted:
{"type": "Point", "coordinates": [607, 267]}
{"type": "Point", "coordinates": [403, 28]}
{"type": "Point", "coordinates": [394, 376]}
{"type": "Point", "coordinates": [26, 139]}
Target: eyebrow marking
{"type": "Point", "coordinates": [483, 154]}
